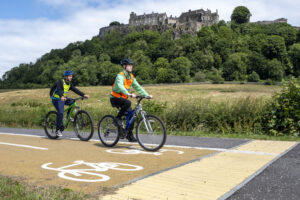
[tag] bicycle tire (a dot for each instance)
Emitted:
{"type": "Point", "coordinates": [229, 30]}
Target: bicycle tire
{"type": "Point", "coordinates": [50, 123]}
{"type": "Point", "coordinates": [157, 139]}
{"type": "Point", "coordinates": [87, 125]}
{"type": "Point", "coordinates": [107, 130]}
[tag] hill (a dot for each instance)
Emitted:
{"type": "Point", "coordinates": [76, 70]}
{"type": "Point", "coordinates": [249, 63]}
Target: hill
{"type": "Point", "coordinates": [223, 51]}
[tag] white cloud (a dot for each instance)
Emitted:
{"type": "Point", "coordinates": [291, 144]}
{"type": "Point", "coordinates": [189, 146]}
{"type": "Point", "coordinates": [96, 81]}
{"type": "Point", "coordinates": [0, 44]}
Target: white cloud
{"type": "Point", "coordinates": [24, 41]}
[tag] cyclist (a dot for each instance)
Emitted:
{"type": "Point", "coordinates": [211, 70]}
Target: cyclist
{"type": "Point", "coordinates": [58, 94]}
{"type": "Point", "coordinates": [120, 93]}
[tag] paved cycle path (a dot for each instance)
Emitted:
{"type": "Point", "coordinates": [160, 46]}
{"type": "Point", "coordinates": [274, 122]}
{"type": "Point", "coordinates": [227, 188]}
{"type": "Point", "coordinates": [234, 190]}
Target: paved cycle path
{"type": "Point", "coordinates": [213, 169]}
{"type": "Point", "coordinates": [46, 162]}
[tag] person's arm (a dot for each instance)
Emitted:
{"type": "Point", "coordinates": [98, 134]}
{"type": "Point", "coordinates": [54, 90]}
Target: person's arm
{"type": "Point", "coordinates": [138, 88]}
{"type": "Point", "coordinates": [119, 85]}
{"type": "Point", "coordinates": [77, 91]}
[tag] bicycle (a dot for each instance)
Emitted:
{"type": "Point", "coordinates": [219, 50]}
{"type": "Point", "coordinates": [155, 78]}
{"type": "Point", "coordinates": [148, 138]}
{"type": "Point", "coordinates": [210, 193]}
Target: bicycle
{"type": "Point", "coordinates": [151, 133]}
{"type": "Point", "coordinates": [83, 123]}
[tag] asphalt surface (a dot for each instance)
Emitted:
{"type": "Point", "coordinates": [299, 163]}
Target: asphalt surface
{"type": "Point", "coordinates": [279, 180]}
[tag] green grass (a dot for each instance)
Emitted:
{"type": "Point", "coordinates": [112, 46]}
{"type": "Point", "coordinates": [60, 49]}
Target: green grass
{"type": "Point", "coordinates": [12, 189]}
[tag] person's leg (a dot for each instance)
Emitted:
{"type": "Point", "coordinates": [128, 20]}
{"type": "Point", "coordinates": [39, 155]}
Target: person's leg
{"type": "Point", "coordinates": [130, 136]}
{"type": "Point", "coordinates": [124, 104]}
{"type": "Point", "coordinates": [59, 105]}
{"type": "Point", "coordinates": [69, 102]}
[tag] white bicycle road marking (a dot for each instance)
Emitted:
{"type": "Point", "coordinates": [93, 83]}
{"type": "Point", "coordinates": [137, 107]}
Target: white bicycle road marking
{"type": "Point", "coordinates": [94, 170]}
{"type": "Point", "coordinates": [23, 145]}
{"type": "Point", "coordinates": [133, 150]}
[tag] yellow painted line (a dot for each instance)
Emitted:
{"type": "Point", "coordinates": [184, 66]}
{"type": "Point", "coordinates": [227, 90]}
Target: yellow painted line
{"type": "Point", "coordinates": [208, 178]}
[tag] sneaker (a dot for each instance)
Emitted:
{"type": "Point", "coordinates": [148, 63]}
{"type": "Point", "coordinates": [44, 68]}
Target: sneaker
{"type": "Point", "coordinates": [58, 134]}
{"type": "Point", "coordinates": [130, 137]}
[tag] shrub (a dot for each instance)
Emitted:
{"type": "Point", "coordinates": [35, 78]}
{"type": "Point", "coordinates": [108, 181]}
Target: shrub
{"type": "Point", "coordinates": [283, 112]}
{"type": "Point", "coordinates": [200, 77]}
{"type": "Point", "coordinates": [253, 77]}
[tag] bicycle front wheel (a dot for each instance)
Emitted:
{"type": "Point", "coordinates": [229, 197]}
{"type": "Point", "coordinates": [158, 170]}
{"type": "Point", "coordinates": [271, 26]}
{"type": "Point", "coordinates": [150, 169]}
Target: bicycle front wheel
{"type": "Point", "coordinates": [108, 131]}
{"type": "Point", "coordinates": [83, 125]}
{"type": "Point", "coordinates": [151, 133]}
{"type": "Point", "coordinates": [50, 124]}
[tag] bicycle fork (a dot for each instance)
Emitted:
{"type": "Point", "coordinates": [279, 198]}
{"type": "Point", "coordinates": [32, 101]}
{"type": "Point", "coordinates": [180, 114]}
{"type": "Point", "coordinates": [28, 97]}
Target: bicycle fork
{"type": "Point", "coordinates": [146, 122]}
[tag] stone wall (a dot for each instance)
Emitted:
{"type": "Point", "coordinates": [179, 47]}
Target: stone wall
{"type": "Point", "coordinates": [280, 20]}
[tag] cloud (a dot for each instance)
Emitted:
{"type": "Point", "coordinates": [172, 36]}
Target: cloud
{"type": "Point", "coordinates": [24, 41]}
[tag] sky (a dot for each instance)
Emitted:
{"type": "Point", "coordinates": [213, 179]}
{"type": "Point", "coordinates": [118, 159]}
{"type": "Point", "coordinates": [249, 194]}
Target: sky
{"type": "Point", "coordinates": [31, 28]}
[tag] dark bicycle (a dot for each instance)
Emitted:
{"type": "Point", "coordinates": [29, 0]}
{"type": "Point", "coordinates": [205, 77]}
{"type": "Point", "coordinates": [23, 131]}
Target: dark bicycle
{"type": "Point", "coordinates": [83, 123]}
{"type": "Point", "coordinates": [151, 133]}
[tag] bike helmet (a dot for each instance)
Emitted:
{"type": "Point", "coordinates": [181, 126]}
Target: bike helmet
{"type": "Point", "coordinates": [126, 61]}
{"type": "Point", "coordinates": [68, 72]}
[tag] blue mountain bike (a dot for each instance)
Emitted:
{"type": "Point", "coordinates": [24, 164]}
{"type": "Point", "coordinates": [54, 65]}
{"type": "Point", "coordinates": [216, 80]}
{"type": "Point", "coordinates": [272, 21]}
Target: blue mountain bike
{"type": "Point", "coordinates": [151, 133]}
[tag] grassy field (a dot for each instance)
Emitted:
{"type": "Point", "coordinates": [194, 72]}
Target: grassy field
{"type": "Point", "coordinates": [20, 106]}
{"type": "Point", "coordinates": [185, 108]}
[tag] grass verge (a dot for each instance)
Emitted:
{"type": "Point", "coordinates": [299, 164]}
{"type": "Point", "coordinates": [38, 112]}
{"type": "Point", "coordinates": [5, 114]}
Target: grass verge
{"type": "Point", "coordinates": [14, 189]}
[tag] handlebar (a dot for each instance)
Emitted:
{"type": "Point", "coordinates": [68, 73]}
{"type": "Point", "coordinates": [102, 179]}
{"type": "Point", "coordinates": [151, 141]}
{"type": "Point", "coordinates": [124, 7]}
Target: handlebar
{"type": "Point", "coordinates": [140, 98]}
{"type": "Point", "coordinates": [79, 98]}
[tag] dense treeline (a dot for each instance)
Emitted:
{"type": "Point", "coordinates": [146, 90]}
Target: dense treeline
{"type": "Point", "coordinates": [240, 51]}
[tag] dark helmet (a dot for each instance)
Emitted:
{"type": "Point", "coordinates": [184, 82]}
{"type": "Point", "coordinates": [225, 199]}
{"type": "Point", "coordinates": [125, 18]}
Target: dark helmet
{"type": "Point", "coordinates": [126, 61]}
{"type": "Point", "coordinates": [68, 72]}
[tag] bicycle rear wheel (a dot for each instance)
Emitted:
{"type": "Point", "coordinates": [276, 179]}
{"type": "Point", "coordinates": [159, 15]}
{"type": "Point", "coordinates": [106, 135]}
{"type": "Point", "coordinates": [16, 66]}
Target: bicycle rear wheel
{"type": "Point", "coordinates": [83, 125]}
{"type": "Point", "coordinates": [151, 133]}
{"type": "Point", "coordinates": [50, 124]}
{"type": "Point", "coordinates": [108, 131]}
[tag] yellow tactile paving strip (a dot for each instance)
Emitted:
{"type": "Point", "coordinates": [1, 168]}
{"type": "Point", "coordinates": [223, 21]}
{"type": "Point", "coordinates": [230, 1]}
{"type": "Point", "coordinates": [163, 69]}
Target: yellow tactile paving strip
{"type": "Point", "coordinates": [209, 178]}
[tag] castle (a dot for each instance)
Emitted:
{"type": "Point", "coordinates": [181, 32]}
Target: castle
{"type": "Point", "coordinates": [188, 22]}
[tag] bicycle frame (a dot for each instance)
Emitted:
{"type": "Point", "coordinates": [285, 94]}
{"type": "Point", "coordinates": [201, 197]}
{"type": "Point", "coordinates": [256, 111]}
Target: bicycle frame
{"type": "Point", "coordinates": [71, 110]}
{"type": "Point", "coordinates": [132, 114]}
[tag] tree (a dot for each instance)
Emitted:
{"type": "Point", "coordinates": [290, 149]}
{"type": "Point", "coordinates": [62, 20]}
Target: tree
{"type": "Point", "coordinates": [182, 67]}
{"type": "Point", "coordinates": [201, 61]}
{"type": "Point", "coordinates": [235, 67]}
{"type": "Point", "coordinates": [258, 63]}
{"type": "Point", "coordinates": [294, 54]}
{"type": "Point", "coordinates": [274, 47]}
{"type": "Point", "coordinates": [165, 75]}
{"type": "Point", "coordinates": [114, 23]}
{"type": "Point", "coordinates": [240, 15]}
{"type": "Point", "coordinates": [275, 70]}
{"type": "Point", "coordinates": [253, 77]}
{"type": "Point", "coordinates": [284, 30]}
{"type": "Point", "coordinates": [110, 72]}
{"type": "Point", "coordinates": [143, 68]}
{"type": "Point", "coordinates": [161, 63]}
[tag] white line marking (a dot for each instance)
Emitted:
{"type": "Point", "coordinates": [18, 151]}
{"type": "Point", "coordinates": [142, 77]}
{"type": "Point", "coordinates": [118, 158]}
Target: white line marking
{"type": "Point", "coordinates": [184, 147]}
{"type": "Point", "coordinates": [22, 135]}
{"type": "Point", "coordinates": [22, 145]}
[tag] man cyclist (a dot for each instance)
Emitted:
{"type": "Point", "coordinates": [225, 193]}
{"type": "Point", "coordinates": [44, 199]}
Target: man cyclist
{"type": "Point", "coordinates": [120, 93]}
{"type": "Point", "coordinates": [58, 94]}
